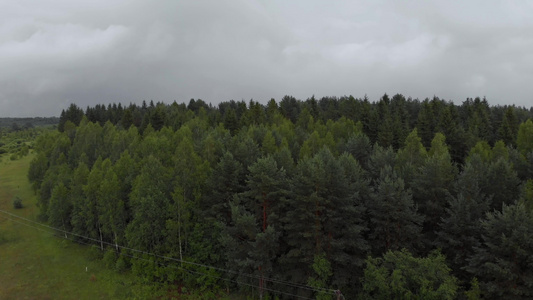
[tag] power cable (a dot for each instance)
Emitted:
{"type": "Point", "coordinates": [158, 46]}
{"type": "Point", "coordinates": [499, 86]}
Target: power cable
{"type": "Point", "coordinates": [294, 285]}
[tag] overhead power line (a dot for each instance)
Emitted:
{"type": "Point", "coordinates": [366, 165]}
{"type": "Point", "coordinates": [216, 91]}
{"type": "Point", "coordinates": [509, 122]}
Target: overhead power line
{"type": "Point", "coordinates": [114, 245]}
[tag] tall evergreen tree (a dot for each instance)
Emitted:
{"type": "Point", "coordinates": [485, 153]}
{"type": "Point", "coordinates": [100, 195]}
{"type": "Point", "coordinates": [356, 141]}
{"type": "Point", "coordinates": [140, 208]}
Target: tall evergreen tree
{"type": "Point", "coordinates": [394, 221]}
{"type": "Point", "coordinates": [504, 262]}
{"type": "Point", "coordinates": [432, 183]}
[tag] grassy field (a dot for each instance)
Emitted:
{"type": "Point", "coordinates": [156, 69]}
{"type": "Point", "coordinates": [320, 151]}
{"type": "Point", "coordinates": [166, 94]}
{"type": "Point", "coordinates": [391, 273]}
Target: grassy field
{"type": "Point", "coordinates": [36, 265]}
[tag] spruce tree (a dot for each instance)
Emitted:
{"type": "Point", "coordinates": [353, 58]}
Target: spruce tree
{"type": "Point", "coordinates": [394, 221]}
{"type": "Point", "coordinates": [504, 261]}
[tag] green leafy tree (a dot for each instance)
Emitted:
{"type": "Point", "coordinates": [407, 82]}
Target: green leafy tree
{"type": "Point", "coordinates": [60, 207]}
{"type": "Point", "coordinates": [77, 194]}
{"type": "Point", "coordinates": [150, 200]}
{"type": "Point", "coordinates": [411, 157]}
{"type": "Point", "coordinates": [399, 275]}
{"type": "Point", "coordinates": [524, 139]}
{"type": "Point", "coordinates": [320, 281]}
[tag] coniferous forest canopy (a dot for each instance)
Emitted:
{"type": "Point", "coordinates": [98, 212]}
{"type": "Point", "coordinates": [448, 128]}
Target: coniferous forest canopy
{"type": "Point", "coordinates": [388, 199]}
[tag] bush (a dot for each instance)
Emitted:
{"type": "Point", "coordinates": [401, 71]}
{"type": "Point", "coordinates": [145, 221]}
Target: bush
{"type": "Point", "coordinates": [110, 258]}
{"type": "Point", "coordinates": [17, 202]}
{"type": "Point", "coordinates": [95, 253]}
{"type": "Point", "coordinates": [121, 265]}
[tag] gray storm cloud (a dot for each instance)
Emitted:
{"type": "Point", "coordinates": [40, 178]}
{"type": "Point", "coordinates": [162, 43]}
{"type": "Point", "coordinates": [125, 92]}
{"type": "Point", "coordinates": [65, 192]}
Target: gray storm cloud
{"type": "Point", "coordinates": [53, 53]}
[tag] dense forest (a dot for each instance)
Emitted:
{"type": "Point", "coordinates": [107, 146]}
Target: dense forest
{"type": "Point", "coordinates": [397, 198]}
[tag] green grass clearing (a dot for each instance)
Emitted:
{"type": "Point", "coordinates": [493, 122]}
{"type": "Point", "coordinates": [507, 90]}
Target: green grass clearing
{"type": "Point", "coordinates": [36, 265]}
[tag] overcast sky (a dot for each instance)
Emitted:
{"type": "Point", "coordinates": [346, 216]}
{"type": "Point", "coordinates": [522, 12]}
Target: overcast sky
{"type": "Point", "coordinates": [57, 52]}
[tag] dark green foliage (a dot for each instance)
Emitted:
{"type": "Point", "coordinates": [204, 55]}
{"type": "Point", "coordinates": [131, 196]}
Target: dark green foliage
{"type": "Point", "coordinates": [73, 114]}
{"type": "Point", "coordinates": [226, 180]}
{"type": "Point", "coordinates": [294, 192]}
{"type": "Point", "coordinates": [110, 258]}
{"type": "Point", "coordinates": [252, 237]}
{"type": "Point", "coordinates": [394, 221]}
{"type": "Point", "coordinates": [359, 147]}
{"type": "Point", "coordinates": [17, 202]}
{"type": "Point", "coordinates": [504, 261]}
{"type": "Point", "coordinates": [509, 127]}
{"type": "Point", "coordinates": [430, 189]}
{"type": "Point", "coordinates": [150, 198]}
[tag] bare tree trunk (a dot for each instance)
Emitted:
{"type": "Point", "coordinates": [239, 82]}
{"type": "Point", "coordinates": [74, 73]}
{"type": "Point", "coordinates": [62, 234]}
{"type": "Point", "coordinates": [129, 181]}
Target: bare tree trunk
{"type": "Point", "coordinates": [101, 240]}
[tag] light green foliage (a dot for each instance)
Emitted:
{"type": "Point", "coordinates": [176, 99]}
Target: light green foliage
{"type": "Point", "coordinates": [269, 143]}
{"type": "Point", "coordinates": [320, 279]}
{"type": "Point", "coordinates": [483, 150]}
{"type": "Point", "coordinates": [474, 293]}
{"type": "Point", "coordinates": [413, 152]}
{"type": "Point", "coordinates": [438, 146]}
{"type": "Point", "coordinates": [527, 194]}
{"type": "Point", "coordinates": [399, 275]}
{"type": "Point", "coordinates": [311, 146]}
{"type": "Point", "coordinates": [499, 151]}
{"type": "Point", "coordinates": [524, 140]}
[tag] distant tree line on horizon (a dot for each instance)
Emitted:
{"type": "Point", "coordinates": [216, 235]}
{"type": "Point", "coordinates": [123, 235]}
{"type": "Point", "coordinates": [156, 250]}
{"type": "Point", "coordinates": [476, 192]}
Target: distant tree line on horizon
{"type": "Point", "coordinates": [17, 124]}
{"type": "Point", "coordinates": [378, 199]}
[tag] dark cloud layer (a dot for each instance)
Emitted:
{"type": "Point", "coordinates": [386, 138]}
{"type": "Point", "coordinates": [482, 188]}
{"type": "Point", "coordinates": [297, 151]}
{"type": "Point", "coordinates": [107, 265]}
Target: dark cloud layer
{"type": "Point", "coordinates": [55, 52]}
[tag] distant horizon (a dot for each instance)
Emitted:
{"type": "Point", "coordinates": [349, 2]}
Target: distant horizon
{"type": "Point", "coordinates": [124, 104]}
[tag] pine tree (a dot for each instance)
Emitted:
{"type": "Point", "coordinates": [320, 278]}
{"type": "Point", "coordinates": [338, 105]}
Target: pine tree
{"type": "Point", "coordinates": [504, 262]}
{"type": "Point", "coordinates": [226, 180]}
{"type": "Point", "coordinates": [394, 221]}
{"type": "Point", "coordinates": [509, 127]}
{"type": "Point", "coordinates": [256, 226]}
{"type": "Point", "coordinates": [502, 183]}
{"type": "Point", "coordinates": [432, 183]}
{"type": "Point", "coordinates": [325, 215]}
{"type": "Point", "coordinates": [461, 228]}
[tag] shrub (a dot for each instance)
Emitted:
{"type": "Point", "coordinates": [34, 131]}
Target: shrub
{"type": "Point", "coordinates": [17, 202]}
{"type": "Point", "coordinates": [121, 265]}
{"type": "Point", "coordinates": [95, 253]}
{"type": "Point", "coordinates": [110, 258]}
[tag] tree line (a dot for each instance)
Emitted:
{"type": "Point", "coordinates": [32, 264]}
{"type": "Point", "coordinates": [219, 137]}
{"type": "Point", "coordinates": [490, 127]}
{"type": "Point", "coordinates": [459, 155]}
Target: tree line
{"type": "Point", "coordinates": [378, 199]}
